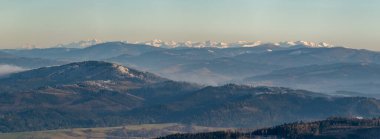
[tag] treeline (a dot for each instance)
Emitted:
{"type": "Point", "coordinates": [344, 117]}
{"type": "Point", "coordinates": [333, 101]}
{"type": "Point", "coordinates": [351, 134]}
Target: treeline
{"type": "Point", "coordinates": [333, 125]}
{"type": "Point", "coordinates": [332, 128]}
{"type": "Point", "coordinates": [211, 135]}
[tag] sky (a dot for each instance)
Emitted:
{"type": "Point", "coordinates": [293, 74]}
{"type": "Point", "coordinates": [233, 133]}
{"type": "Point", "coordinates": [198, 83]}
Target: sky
{"type": "Point", "coordinates": [45, 23]}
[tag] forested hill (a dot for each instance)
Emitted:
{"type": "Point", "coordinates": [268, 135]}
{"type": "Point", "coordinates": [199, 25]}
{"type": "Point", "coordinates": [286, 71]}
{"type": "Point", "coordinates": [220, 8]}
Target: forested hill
{"type": "Point", "coordinates": [101, 94]}
{"type": "Point", "coordinates": [331, 128]}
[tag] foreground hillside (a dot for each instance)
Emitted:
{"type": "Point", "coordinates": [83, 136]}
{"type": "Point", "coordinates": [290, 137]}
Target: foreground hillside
{"type": "Point", "coordinates": [332, 128]}
{"type": "Point", "coordinates": [100, 94]}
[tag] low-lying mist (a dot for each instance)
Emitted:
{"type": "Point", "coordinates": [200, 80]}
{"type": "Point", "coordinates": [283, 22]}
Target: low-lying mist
{"type": "Point", "coordinates": [8, 69]}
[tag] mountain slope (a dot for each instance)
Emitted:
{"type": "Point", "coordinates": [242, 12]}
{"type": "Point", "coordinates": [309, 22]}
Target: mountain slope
{"type": "Point", "coordinates": [95, 52]}
{"type": "Point", "coordinates": [244, 106]}
{"type": "Point", "coordinates": [93, 94]}
{"type": "Point", "coordinates": [76, 73]}
{"type": "Point", "coordinates": [111, 49]}
{"type": "Point", "coordinates": [356, 77]}
{"type": "Point", "coordinates": [313, 56]}
{"type": "Point", "coordinates": [83, 94]}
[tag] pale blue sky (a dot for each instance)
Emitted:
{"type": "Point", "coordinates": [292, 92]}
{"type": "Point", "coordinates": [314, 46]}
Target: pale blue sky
{"type": "Point", "coordinates": [352, 23]}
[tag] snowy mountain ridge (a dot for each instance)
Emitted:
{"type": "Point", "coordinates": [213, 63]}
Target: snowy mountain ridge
{"type": "Point", "coordinates": [201, 44]}
{"type": "Point", "coordinates": [173, 44]}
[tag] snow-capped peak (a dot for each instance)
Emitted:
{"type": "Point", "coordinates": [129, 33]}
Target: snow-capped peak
{"type": "Point", "coordinates": [124, 70]}
{"type": "Point", "coordinates": [199, 44]}
{"type": "Point", "coordinates": [285, 44]}
{"type": "Point", "coordinates": [303, 43]}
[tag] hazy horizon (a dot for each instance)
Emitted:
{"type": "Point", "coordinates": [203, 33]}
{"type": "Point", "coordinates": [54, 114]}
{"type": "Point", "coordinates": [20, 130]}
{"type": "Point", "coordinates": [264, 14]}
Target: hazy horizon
{"type": "Point", "coordinates": [43, 23]}
{"type": "Point", "coordinates": [189, 69]}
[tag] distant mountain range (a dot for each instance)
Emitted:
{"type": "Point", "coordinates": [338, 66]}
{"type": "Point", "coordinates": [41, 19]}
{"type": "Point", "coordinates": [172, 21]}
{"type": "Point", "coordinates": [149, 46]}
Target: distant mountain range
{"type": "Point", "coordinates": [198, 44]}
{"type": "Point", "coordinates": [79, 44]}
{"type": "Point", "coordinates": [98, 94]}
{"type": "Point", "coordinates": [194, 44]}
{"type": "Point", "coordinates": [214, 44]}
{"type": "Point", "coordinates": [95, 52]}
{"type": "Point", "coordinates": [214, 65]}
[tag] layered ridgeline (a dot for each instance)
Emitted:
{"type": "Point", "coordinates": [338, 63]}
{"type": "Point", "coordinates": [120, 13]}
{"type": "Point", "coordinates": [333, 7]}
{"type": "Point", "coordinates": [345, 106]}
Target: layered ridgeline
{"type": "Point", "coordinates": [94, 52]}
{"type": "Point", "coordinates": [98, 94]}
{"type": "Point", "coordinates": [355, 77]}
{"type": "Point", "coordinates": [26, 62]}
{"type": "Point", "coordinates": [242, 63]}
{"type": "Point", "coordinates": [332, 128]}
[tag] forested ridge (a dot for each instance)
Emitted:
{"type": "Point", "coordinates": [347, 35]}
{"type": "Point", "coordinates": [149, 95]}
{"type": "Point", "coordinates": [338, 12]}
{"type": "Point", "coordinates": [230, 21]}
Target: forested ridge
{"type": "Point", "coordinates": [101, 94]}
